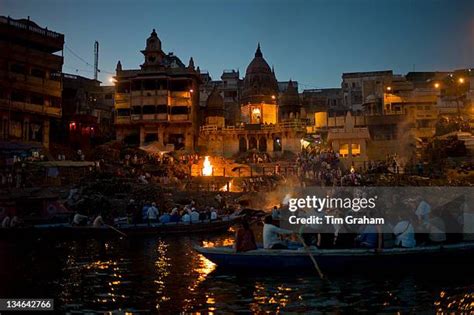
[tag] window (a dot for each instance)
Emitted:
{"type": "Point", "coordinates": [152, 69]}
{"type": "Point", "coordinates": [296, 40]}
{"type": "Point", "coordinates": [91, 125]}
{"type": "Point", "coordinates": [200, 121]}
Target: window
{"type": "Point", "coordinates": [162, 109]}
{"type": "Point", "coordinates": [123, 112]}
{"type": "Point", "coordinates": [39, 73]}
{"type": "Point", "coordinates": [150, 137]}
{"type": "Point", "coordinates": [344, 150]}
{"type": "Point", "coordinates": [18, 68]}
{"type": "Point", "coordinates": [136, 110]}
{"type": "Point", "coordinates": [123, 87]}
{"type": "Point", "coordinates": [37, 99]}
{"type": "Point", "coordinates": [56, 102]}
{"type": "Point", "coordinates": [149, 109]}
{"type": "Point", "coordinates": [355, 147]}
{"type": "Point", "coordinates": [136, 85]}
{"type": "Point", "coordinates": [179, 110]}
{"type": "Point", "coordinates": [149, 84]}
{"type": "Point", "coordinates": [18, 96]}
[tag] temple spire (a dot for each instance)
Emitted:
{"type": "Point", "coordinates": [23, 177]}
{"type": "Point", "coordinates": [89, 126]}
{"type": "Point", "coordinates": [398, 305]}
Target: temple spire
{"type": "Point", "coordinates": [191, 63]}
{"type": "Point", "coordinates": [258, 53]}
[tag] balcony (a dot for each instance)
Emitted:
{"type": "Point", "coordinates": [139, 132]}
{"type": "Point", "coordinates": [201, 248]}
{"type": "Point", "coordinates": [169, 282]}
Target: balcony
{"type": "Point", "coordinates": [122, 98]}
{"type": "Point", "coordinates": [31, 83]}
{"type": "Point", "coordinates": [30, 108]}
{"type": "Point", "coordinates": [180, 117]}
{"type": "Point", "coordinates": [122, 120]}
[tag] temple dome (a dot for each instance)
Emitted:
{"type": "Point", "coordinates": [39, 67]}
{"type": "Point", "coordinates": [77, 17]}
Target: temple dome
{"type": "Point", "coordinates": [260, 83]}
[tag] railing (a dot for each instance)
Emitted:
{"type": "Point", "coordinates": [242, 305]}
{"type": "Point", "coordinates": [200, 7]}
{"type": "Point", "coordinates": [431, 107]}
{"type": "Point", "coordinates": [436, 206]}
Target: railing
{"type": "Point", "coordinates": [33, 108]}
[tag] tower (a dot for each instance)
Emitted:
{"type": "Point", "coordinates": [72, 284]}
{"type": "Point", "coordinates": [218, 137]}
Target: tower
{"type": "Point", "coordinates": [153, 53]}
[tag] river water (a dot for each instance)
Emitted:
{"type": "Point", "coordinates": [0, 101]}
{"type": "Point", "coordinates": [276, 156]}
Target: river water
{"type": "Point", "coordinates": [165, 275]}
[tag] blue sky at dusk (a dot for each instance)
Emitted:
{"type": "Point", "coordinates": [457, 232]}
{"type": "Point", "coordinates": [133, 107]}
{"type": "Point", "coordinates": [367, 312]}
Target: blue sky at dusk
{"type": "Point", "coordinates": [312, 42]}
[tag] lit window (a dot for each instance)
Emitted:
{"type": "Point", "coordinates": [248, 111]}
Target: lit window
{"type": "Point", "coordinates": [344, 150]}
{"type": "Point", "coordinates": [355, 147]}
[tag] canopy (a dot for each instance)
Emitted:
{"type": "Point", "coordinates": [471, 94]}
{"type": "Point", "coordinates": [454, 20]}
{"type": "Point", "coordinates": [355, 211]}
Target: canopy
{"type": "Point", "coordinates": [154, 147]}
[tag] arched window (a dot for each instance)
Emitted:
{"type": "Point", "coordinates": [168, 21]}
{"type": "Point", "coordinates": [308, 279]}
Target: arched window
{"type": "Point", "coordinates": [242, 144]}
{"type": "Point", "coordinates": [262, 144]}
{"type": "Point", "coordinates": [252, 143]}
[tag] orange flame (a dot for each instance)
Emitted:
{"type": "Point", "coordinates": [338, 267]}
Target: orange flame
{"type": "Point", "coordinates": [207, 167]}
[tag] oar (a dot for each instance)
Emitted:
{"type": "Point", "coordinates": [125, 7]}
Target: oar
{"type": "Point", "coordinates": [315, 263]}
{"type": "Point", "coordinates": [116, 230]}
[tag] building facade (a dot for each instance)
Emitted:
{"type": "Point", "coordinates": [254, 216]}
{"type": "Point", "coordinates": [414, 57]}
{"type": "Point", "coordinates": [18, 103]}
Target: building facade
{"type": "Point", "coordinates": [159, 102]}
{"type": "Point", "coordinates": [87, 113]}
{"type": "Point", "coordinates": [261, 129]}
{"type": "Point", "coordinates": [30, 80]}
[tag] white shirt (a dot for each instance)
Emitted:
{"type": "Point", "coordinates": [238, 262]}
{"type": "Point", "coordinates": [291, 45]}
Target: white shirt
{"type": "Point", "coordinates": [98, 221]}
{"type": "Point", "coordinates": [436, 229]}
{"type": "Point", "coordinates": [186, 218]}
{"type": "Point", "coordinates": [152, 213]}
{"type": "Point", "coordinates": [6, 222]}
{"type": "Point", "coordinates": [271, 235]}
{"type": "Point", "coordinates": [78, 218]}
{"type": "Point", "coordinates": [404, 234]}
{"type": "Point", "coordinates": [213, 215]}
{"type": "Point", "coordinates": [194, 216]}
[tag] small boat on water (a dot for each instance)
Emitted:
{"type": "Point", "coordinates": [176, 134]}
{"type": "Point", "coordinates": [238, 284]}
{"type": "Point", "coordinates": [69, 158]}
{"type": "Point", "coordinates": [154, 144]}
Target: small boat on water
{"type": "Point", "coordinates": [66, 230]}
{"type": "Point", "coordinates": [338, 259]}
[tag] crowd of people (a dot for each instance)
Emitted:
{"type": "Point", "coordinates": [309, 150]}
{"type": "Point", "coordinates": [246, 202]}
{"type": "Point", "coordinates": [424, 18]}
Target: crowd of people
{"type": "Point", "coordinates": [417, 225]}
{"type": "Point", "coordinates": [149, 213]}
{"type": "Point", "coordinates": [321, 165]}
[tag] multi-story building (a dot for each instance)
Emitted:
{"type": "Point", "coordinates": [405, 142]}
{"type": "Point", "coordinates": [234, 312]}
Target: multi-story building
{"type": "Point", "coordinates": [358, 86]}
{"type": "Point", "coordinates": [160, 101]}
{"type": "Point", "coordinates": [86, 112]}
{"type": "Point", "coordinates": [30, 80]}
{"type": "Point", "coordinates": [229, 87]}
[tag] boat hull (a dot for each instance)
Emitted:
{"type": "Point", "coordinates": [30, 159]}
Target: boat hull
{"type": "Point", "coordinates": [339, 259]}
{"type": "Point", "coordinates": [60, 231]}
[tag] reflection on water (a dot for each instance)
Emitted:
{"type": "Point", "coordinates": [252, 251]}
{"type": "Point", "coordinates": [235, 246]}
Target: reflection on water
{"type": "Point", "coordinates": [165, 274]}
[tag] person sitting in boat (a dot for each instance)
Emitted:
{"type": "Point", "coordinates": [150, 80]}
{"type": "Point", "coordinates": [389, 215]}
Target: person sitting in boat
{"type": "Point", "coordinates": [174, 217]}
{"type": "Point", "coordinates": [98, 221]}
{"type": "Point", "coordinates": [165, 218]}
{"type": "Point", "coordinates": [152, 213]}
{"type": "Point", "coordinates": [275, 213]}
{"type": "Point", "coordinates": [272, 233]}
{"type": "Point", "coordinates": [16, 222]}
{"type": "Point", "coordinates": [145, 207]}
{"type": "Point", "coordinates": [404, 233]}
{"type": "Point", "coordinates": [371, 237]}
{"type": "Point", "coordinates": [194, 215]}
{"type": "Point", "coordinates": [79, 220]}
{"type": "Point", "coordinates": [244, 238]}
{"type": "Point", "coordinates": [432, 225]}
{"type": "Point", "coordinates": [186, 218]}
{"type": "Point", "coordinates": [6, 222]}
{"type": "Point", "coordinates": [213, 214]}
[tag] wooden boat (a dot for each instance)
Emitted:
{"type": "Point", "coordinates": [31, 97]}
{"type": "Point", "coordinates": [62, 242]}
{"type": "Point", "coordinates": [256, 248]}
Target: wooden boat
{"type": "Point", "coordinates": [66, 230]}
{"type": "Point", "coordinates": [338, 259]}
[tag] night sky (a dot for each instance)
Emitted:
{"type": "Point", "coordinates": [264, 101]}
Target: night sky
{"type": "Point", "coordinates": [312, 42]}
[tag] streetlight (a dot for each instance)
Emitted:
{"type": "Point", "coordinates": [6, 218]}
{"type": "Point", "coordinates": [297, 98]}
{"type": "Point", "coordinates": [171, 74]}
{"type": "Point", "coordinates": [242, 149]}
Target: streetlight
{"type": "Point", "coordinates": [389, 88]}
{"type": "Point", "coordinates": [461, 80]}
{"type": "Point", "coordinates": [436, 85]}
